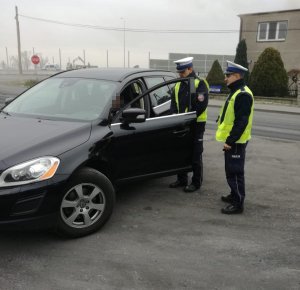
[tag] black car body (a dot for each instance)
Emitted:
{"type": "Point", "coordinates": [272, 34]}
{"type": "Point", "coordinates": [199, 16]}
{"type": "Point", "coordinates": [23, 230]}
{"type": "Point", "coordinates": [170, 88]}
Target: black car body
{"type": "Point", "coordinates": [68, 141]}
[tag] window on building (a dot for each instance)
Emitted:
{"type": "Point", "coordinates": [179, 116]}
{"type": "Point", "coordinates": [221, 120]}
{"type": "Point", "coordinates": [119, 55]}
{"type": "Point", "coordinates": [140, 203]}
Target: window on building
{"type": "Point", "coordinates": [272, 31]}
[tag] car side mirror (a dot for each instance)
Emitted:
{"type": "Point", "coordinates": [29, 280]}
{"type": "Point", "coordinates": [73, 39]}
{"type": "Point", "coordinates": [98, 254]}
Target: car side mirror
{"type": "Point", "coordinates": [133, 115]}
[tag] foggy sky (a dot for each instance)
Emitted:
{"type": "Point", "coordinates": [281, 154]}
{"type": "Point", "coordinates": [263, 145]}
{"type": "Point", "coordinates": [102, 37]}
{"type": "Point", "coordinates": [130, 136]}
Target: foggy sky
{"type": "Point", "coordinates": [47, 38]}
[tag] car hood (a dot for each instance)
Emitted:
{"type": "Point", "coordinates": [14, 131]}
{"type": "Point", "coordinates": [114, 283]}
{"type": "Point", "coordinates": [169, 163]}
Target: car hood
{"type": "Point", "coordinates": [23, 139]}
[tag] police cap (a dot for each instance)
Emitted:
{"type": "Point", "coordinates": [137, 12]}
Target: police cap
{"type": "Point", "coordinates": [184, 63]}
{"type": "Point", "coordinates": [235, 68]}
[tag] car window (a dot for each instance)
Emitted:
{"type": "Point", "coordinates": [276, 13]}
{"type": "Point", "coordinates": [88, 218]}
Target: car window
{"type": "Point", "coordinates": [171, 86]}
{"type": "Point", "coordinates": [157, 96]}
{"type": "Point", "coordinates": [153, 81]}
{"type": "Point", "coordinates": [67, 98]}
{"type": "Point", "coordinates": [168, 78]}
{"type": "Point", "coordinates": [48, 97]}
{"type": "Point", "coordinates": [161, 95]}
{"type": "Point", "coordinates": [162, 103]}
{"type": "Point", "coordinates": [129, 98]}
{"type": "Point", "coordinates": [130, 91]}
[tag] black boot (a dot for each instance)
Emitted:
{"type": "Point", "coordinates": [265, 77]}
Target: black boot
{"type": "Point", "coordinates": [191, 188]}
{"type": "Point", "coordinates": [232, 209]}
{"type": "Point", "coordinates": [227, 198]}
{"type": "Point", "coordinates": [177, 183]}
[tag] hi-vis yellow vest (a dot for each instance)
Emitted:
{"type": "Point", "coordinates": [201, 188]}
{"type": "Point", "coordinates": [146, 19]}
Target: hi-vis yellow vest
{"type": "Point", "coordinates": [225, 127]}
{"type": "Point", "coordinates": [203, 116]}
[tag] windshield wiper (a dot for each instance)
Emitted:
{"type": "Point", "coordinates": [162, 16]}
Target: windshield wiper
{"type": "Point", "coordinates": [7, 114]}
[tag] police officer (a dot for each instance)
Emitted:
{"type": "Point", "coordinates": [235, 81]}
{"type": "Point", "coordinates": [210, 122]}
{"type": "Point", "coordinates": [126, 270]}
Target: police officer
{"type": "Point", "coordinates": [234, 130]}
{"type": "Point", "coordinates": [180, 104]}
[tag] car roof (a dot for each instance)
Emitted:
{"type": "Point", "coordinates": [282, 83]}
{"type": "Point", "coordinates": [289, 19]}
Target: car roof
{"type": "Point", "coordinates": [112, 74]}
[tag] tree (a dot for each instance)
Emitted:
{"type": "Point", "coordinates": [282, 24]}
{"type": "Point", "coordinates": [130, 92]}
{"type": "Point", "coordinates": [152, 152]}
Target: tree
{"type": "Point", "coordinates": [269, 77]}
{"type": "Point", "coordinates": [215, 76]}
{"type": "Point", "coordinates": [241, 57]}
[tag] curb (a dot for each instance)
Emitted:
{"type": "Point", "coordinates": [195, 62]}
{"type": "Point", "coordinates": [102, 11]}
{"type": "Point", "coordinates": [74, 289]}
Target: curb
{"type": "Point", "coordinates": [264, 110]}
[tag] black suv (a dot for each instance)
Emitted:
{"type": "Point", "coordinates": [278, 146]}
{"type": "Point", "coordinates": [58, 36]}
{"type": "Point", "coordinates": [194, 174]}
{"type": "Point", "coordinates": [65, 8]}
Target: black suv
{"type": "Point", "coordinates": [69, 140]}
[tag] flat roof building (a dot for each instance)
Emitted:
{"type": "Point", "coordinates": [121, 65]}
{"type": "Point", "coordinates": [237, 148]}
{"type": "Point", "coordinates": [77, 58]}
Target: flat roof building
{"type": "Point", "coordinates": [202, 62]}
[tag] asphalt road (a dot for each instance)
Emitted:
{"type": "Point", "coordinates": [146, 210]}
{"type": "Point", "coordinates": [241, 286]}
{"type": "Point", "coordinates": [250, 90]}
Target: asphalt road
{"type": "Point", "coordinates": [162, 238]}
{"type": "Point", "coordinates": [267, 123]}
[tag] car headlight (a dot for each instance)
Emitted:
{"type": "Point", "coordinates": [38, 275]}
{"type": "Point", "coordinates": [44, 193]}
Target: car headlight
{"type": "Point", "coordinates": [31, 171]}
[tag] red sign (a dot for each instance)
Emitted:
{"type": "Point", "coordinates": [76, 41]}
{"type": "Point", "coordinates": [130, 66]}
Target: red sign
{"type": "Point", "coordinates": [35, 59]}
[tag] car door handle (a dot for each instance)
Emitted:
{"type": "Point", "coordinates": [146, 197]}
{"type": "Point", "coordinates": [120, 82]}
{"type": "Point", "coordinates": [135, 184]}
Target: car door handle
{"type": "Point", "coordinates": [182, 132]}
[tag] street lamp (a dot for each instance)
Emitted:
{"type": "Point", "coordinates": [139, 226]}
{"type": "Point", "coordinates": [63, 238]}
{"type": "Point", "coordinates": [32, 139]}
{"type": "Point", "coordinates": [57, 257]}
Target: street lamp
{"type": "Point", "coordinates": [124, 37]}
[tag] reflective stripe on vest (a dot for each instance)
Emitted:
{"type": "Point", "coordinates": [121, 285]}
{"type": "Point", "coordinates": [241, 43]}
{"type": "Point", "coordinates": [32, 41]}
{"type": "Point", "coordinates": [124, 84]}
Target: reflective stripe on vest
{"type": "Point", "coordinates": [225, 127]}
{"type": "Point", "coordinates": [203, 116]}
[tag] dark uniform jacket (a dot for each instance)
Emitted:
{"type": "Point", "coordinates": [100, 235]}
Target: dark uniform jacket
{"type": "Point", "coordinates": [198, 103]}
{"type": "Point", "coordinates": [242, 109]}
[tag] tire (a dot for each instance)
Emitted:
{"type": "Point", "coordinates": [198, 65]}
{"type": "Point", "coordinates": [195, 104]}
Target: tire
{"type": "Point", "coordinates": [86, 205]}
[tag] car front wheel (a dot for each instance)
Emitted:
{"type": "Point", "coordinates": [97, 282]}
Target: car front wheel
{"type": "Point", "coordinates": [87, 203]}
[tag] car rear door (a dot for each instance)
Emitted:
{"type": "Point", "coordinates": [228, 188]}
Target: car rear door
{"type": "Point", "coordinates": [161, 145]}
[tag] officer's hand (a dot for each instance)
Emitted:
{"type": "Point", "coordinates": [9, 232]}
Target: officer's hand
{"type": "Point", "coordinates": [226, 147]}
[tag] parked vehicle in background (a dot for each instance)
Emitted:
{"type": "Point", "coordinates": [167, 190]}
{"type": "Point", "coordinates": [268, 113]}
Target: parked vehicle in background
{"type": "Point", "coordinates": [52, 67]}
{"type": "Point", "coordinates": [67, 142]}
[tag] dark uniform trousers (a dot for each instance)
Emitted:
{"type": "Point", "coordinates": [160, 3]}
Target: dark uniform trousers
{"type": "Point", "coordinates": [234, 168]}
{"type": "Point", "coordinates": [197, 164]}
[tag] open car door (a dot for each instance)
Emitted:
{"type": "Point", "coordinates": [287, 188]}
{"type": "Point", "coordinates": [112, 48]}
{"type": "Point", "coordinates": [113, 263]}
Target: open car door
{"type": "Point", "coordinates": [150, 140]}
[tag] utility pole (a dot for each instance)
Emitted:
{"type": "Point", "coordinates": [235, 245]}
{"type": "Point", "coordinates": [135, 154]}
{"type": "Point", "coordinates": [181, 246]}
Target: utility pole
{"type": "Point", "coordinates": [19, 42]}
{"type": "Point", "coordinates": [107, 58]}
{"type": "Point", "coordinates": [34, 65]}
{"type": "Point", "coordinates": [128, 58]}
{"type": "Point", "coordinates": [205, 63]}
{"type": "Point", "coordinates": [59, 58]}
{"type": "Point", "coordinates": [124, 38]}
{"type": "Point", "coordinates": [298, 92]}
{"type": "Point", "coordinates": [7, 57]}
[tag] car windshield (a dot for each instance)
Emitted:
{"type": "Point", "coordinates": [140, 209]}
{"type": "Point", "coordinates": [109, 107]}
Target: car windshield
{"type": "Point", "coordinates": [65, 98]}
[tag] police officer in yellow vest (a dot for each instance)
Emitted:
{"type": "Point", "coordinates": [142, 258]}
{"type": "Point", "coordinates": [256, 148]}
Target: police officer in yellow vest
{"type": "Point", "coordinates": [180, 104]}
{"type": "Point", "coordinates": [234, 130]}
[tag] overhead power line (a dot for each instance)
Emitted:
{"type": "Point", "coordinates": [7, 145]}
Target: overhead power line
{"type": "Point", "coordinates": [131, 29]}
